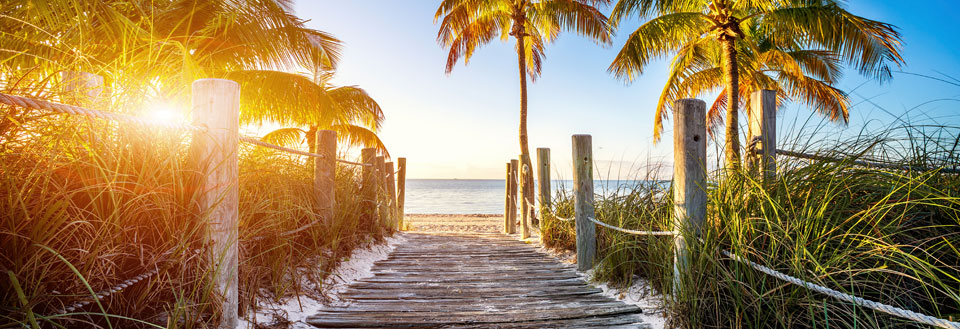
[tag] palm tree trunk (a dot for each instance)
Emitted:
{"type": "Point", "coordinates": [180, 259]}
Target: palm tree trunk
{"type": "Point", "coordinates": [312, 139]}
{"type": "Point", "coordinates": [732, 79]}
{"type": "Point", "coordinates": [526, 176]}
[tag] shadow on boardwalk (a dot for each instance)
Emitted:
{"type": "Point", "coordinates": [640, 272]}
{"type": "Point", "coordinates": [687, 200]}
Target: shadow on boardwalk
{"type": "Point", "coordinates": [474, 280]}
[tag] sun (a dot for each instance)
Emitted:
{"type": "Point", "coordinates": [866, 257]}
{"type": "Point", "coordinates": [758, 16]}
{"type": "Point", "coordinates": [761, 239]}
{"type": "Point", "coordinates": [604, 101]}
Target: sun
{"type": "Point", "coordinates": [165, 113]}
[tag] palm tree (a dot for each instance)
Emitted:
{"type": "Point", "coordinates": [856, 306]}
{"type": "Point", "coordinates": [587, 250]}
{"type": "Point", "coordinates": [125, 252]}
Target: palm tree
{"type": "Point", "coordinates": [801, 75]}
{"type": "Point", "coordinates": [733, 26]}
{"type": "Point", "coordinates": [157, 47]}
{"type": "Point", "coordinates": [468, 24]}
{"type": "Point", "coordinates": [305, 105]}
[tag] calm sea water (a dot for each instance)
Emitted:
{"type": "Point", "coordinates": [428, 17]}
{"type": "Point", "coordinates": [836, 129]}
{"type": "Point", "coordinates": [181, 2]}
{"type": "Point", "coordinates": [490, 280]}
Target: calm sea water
{"type": "Point", "coordinates": [474, 196]}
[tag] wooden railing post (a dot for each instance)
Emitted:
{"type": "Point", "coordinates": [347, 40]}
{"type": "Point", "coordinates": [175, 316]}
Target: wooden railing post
{"type": "Point", "coordinates": [583, 201]}
{"type": "Point", "coordinates": [510, 201]}
{"type": "Point", "coordinates": [381, 177]}
{"type": "Point", "coordinates": [762, 132]}
{"type": "Point", "coordinates": [401, 188]}
{"type": "Point", "coordinates": [392, 195]}
{"type": "Point", "coordinates": [543, 179]}
{"type": "Point", "coordinates": [325, 171]}
{"type": "Point", "coordinates": [216, 105]}
{"type": "Point", "coordinates": [689, 180]}
{"type": "Point", "coordinates": [523, 199]}
{"type": "Point", "coordinates": [368, 188]}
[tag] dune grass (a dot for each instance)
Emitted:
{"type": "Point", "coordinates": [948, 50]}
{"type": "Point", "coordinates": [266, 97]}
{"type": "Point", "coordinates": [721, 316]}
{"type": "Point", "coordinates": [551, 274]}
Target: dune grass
{"type": "Point", "coordinates": [87, 205]}
{"type": "Point", "coordinates": [891, 236]}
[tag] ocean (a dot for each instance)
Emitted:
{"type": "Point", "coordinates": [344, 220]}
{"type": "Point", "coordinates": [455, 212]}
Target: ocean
{"type": "Point", "coordinates": [474, 196]}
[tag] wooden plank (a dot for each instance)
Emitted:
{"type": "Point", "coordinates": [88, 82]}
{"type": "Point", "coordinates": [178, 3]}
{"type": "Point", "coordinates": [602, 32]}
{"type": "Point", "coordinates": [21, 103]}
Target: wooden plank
{"type": "Point", "coordinates": [456, 280]}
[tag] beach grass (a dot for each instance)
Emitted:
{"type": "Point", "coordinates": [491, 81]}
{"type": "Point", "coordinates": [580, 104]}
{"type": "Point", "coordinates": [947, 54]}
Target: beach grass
{"type": "Point", "coordinates": [87, 205]}
{"type": "Point", "coordinates": [887, 235]}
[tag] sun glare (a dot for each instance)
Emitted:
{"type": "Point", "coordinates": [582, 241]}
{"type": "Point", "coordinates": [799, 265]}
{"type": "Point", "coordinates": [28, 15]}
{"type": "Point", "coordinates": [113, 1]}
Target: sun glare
{"type": "Point", "coordinates": [163, 112]}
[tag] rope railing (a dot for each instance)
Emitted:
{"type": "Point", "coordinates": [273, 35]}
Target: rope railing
{"type": "Point", "coordinates": [892, 310]}
{"type": "Point", "coordinates": [107, 292]}
{"type": "Point", "coordinates": [37, 104]}
{"type": "Point", "coordinates": [862, 163]}
{"type": "Point", "coordinates": [355, 163]}
{"type": "Point", "coordinates": [634, 232]}
{"type": "Point", "coordinates": [258, 142]}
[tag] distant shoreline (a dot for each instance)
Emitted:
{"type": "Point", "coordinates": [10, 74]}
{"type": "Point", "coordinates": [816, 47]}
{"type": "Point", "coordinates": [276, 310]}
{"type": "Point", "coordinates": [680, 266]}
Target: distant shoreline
{"type": "Point", "coordinates": [452, 215]}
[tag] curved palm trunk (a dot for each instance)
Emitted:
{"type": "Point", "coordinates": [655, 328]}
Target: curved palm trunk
{"type": "Point", "coordinates": [526, 177]}
{"type": "Point", "coordinates": [732, 79]}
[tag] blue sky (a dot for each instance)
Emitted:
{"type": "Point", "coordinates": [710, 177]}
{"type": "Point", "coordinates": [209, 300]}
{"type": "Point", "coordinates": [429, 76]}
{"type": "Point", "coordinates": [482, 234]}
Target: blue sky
{"type": "Point", "coordinates": [464, 125]}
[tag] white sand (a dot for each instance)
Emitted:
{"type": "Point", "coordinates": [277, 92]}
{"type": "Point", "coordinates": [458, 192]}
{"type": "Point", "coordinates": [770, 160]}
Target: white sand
{"type": "Point", "coordinates": [296, 310]}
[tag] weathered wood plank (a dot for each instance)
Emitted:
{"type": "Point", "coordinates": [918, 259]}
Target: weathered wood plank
{"type": "Point", "coordinates": [457, 281]}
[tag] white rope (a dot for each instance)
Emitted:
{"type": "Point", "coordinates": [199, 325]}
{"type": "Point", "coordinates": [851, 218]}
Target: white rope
{"type": "Point", "coordinates": [257, 142]}
{"type": "Point", "coordinates": [107, 292]}
{"type": "Point", "coordinates": [355, 163]}
{"type": "Point", "coordinates": [892, 310]}
{"type": "Point", "coordinates": [76, 110]}
{"type": "Point", "coordinates": [565, 219]}
{"type": "Point", "coordinates": [864, 163]}
{"type": "Point", "coordinates": [595, 221]}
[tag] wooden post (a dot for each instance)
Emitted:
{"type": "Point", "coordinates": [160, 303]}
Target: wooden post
{"type": "Point", "coordinates": [762, 117]}
{"type": "Point", "coordinates": [583, 201]}
{"type": "Point", "coordinates": [368, 188]}
{"type": "Point", "coordinates": [543, 179]}
{"type": "Point", "coordinates": [522, 199]}
{"type": "Point", "coordinates": [689, 179]}
{"type": "Point", "coordinates": [324, 173]}
{"type": "Point", "coordinates": [381, 177]}
{"type": "Point", "coordinates": [527, 187]}
{"type": "Point", "coordinates": [401, 188]}
{"type": "Point", "coordinates": [510, 213]}
{"type": "Point", "coordinates": [392, 195]}
{"type": "Point", "coordinates": [216, 105]}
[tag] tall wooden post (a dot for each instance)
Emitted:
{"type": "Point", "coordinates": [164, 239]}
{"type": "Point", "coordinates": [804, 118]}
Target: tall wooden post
{"type": "Point", "coordinates": [401, 188]}
{"type": "Point", "coordinates": [510, 210]}
{"type": "Point", "coordinates": [527, 189]}
{"type": "Point", "coordinates": [381, 176]}
{"type": "Point", "coordinates": [392, 195]}
{"type": "Point", "coordinates": [368, 188]}
{"type": "Point", "coordinates": [523, 199]}
{"type": "Point", "coordinates": [543, 179]}
{"type": "Point", "coordinates": [324, 173]}
{"type": "Point", "coordinates": [583, 201]}
{"type": "Point", "coordinates": [689, 179]}
{"type": "Point", "coordinates": [762, 132]}
{"type": "Point", "coordinates": [216, 105]}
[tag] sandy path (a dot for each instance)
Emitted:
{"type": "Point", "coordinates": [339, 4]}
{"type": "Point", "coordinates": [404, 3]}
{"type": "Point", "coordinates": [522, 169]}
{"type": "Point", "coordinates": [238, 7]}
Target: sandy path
{"type": "Point", "coordinates": [455, 223]}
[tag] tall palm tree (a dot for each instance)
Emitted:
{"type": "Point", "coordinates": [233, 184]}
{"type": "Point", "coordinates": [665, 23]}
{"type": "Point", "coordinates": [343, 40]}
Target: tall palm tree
{"type": "Point", "coordinates": [802, 75]}
{"type": "Point", "coordinates": [466, 25]}
{"type": "Point", "coordinates": [822, 25]}
{"type": "Point", "coordinates": [306, 104]}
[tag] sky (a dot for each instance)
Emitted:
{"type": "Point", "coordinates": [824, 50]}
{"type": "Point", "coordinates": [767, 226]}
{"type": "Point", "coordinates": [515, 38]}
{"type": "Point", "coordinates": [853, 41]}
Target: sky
{"type": "Point", "coordinates": [465, 125]}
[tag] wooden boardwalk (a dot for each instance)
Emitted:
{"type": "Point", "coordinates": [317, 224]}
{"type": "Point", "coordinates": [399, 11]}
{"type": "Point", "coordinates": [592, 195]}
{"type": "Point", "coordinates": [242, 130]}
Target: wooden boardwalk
{"type": "Point", "coordinates": [451, 280]}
